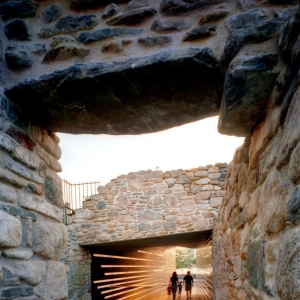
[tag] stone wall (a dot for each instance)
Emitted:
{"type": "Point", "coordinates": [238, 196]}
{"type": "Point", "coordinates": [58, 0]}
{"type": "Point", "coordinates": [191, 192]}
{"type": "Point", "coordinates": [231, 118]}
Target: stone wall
{"type": "Point", "coordinates": [257, 236]}
{"type": "Point", "coordinates": [152, 203]}
{"type": "Point", "coordinates": [32, 236]}
{"type": "Point", "coordinates": [78, 266]}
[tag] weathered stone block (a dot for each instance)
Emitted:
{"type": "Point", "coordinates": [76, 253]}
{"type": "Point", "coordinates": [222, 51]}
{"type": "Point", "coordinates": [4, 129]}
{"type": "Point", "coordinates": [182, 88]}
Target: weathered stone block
{"type": "Point", "coordinates": [155, 41]}
{"type": "Point", "coordinates": [52, 13]}
{"type": "Point", "coordinates": [10, 231]}
{"type": "Point", "coordinates": [33, 272]}
{"type": "Point", "coordinates": [169, 226]}
{"type": "Point", "coordinates": [40, 205]}
{"type": "Point", "coordinates": [248, 85]}
{"type": "Point", "coordinates": [16, 292]}
{"type": "Point", "coordinates": [49, 239]}
{"type": "Point", "coordinates": [18, 9]}
{"type": "Point", "coordinates": [201, 224]}
{"type": "Point", "coordinates": [273, 204]}
{"type": "Point", "coordinates": [187, 206]}
{"type": "Point", "coordinates": [18, 60]}
{"type": "Point", "coordinates": [200, 33]}
{"type": "Point", "coordinates": [133, 17]}
{"type": "Point", "coordinates": [110, 10]}
{"type": "Point", "coordinates": [256, 265]}
{"type": "Point", "coordinates": [293, 206]}
{"type": "Point", "coordinates": [288, 272]}
{"type": "Point", "coordinates": [20, 253]}
{"type": "Point", "coordinates": [55, 284]}
{"type": "Point", "coordinates": [144, 227]}
{"type": "Point", "coordinates": [17, 30]}
{"type": "Point", "coordinates": [215, 201]}
{"type": "Point", "coordinates": [176, 7]}
{"type": "Point", "coordinates": [17, 211]}
{"type": "Point", "coordinates": [7, 194]}
{"type": "Point", "coordinates": [122, 200]}
{"type": "Point", "coordinates": [147, 215]}
{"type": "Point", "coordinates": [21, 170]}
{"type": "Point", "coordinates": [167, 25]}
{"type": "Point", "coordinates": [53, 189]}
{"type": "Point", "coordinates": [69, 24]}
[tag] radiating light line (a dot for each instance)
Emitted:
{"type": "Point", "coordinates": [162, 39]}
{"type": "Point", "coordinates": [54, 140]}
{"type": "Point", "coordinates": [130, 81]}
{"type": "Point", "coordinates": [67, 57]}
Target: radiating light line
{"type": "Point", "coordinates": [121, 278]}
{"type": "Point", "coordinates": [129, 272]}
{"type": "Point", "coordinates": [126, 282]}
{"type": "Point", "coordinates": [125, 257]}
{"type": "Point", "coordinates": [140, 251]}
{"type": "Point", "coordinates": [128, 266]}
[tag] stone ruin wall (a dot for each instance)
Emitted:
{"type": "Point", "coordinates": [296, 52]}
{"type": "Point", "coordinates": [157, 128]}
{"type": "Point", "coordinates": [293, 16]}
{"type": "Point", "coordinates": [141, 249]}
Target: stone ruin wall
{"type": "Point", "coordinates": [152, 203]}
{"type": "Point", "coordinates": [256, 46]}
{"type": "Point", "coordinates": [32, 236]}
{"type": "Point", "coordinates": [256, 239]}
{"type": "Point", "coordinates": [141, 205]}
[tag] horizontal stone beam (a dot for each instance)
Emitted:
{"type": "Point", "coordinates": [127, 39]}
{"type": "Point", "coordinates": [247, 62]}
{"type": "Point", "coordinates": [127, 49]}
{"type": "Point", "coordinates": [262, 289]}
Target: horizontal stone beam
{"type": "Point", "coordinates": [134, 96]}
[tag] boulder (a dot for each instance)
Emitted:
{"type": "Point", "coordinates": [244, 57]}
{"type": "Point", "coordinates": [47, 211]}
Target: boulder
{"type": "Point", "coordinates": [248, 85]}
{"type": "Point", "coordinates": [186, 80]}
{"type": "Point", "coordinates": [133, 17]}
{"type": "Point", "coordinates": [17, 30]}
{"type": "Point", "coordinates": [18, 9]}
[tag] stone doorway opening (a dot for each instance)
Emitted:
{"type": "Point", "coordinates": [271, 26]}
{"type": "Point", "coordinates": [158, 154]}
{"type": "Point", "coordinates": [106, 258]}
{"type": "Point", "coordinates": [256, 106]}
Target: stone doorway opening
{"type": "Point", "coordinates": [141, 269]}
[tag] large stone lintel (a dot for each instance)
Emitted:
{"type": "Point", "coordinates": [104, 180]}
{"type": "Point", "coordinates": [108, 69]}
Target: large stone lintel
{"type": "Point", "coordinates": [135, 96]}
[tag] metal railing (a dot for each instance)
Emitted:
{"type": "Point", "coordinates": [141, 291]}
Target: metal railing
{"type": "Point", "coordinates": [75, 193]}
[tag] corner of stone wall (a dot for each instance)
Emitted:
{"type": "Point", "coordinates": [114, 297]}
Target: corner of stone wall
{"type": "Point", "coordinates": [32, 235]}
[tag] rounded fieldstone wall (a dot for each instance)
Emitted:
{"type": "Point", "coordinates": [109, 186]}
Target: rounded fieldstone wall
{"type": "Point", "coordinates": [152, 203]}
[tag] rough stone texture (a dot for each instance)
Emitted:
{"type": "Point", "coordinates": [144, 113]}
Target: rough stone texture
{"type": "Point", "coordinates": [288, 272]}
{"type": "Point", "coordinates": [18, 60]}
{"type": "Point", "coordinates": [18, 9]}
{"type": "Point", "coordinates": [52, 13]}
{"type": "Point", "coordinates": [110, 10]}
{"type": "Point", "coordinates": [155, 41]}
{"type": "Point", "coordinates": [194, 68]}
{"type": "Point", "coordinates": [199, 33]}
{"type": "Point", "coordinates": [133, 17]}
{"type": "Point", "coordinates": [148, 208]}
{"type": "Point", "coordinates": [247, 88]}
{"type": "Point", "coordinates": [255, 264]}
{"type": "Point", "coordinates": [17, 30]}
{"type": "Point", "coordinates": [65, 52]}
{"type": "Point", "coordinates": [176, 7]}
{"type": "Point", "coordinates": [49, 239]}
{"type": "Point", "coordinates": [167, 25]}
{"type": "Point", "coordinates": [293, 206]}
{"type": "Point", "coordinates": [55, 285]}
{"type": "Point", "coordinates": [69, 24]}
{"type": "Point", "coordinates": [11, 231]}
{"type": "Point", "coordinates": [102, 34]}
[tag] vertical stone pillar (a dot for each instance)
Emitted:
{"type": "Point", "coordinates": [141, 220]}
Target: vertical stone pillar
{"type": "Point", "coordinates": [32, 235]}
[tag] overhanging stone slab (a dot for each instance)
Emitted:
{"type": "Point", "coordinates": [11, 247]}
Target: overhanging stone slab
{"type": "Point", "coordinates": [134, 96]}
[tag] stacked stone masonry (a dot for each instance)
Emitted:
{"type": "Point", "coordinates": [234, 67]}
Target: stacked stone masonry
{"type": "Point", "coordinates": [152, 203]}
{"type": "Point", "coordinates": [130, 67]}
{"type": "Point", "coordinates": [32, 235]}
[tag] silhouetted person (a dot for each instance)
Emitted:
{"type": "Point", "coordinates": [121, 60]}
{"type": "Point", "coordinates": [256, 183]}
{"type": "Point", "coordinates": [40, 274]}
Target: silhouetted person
{"type": "Point", "coordinates": [189, 282]}
{"type": "Point", "coordinates": [173, 284]}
